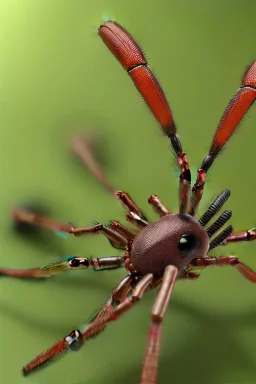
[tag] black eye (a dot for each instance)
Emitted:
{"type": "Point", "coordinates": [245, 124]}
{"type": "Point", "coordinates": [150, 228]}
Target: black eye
{"type": "Point", "coordinates": [75, 262]}
{"type": "Point", "coordinates": [188, 244]}
{"type": "Point", "coordinates": [85, 262]}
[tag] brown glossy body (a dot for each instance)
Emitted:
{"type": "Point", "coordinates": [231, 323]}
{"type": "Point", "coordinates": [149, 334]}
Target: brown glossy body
{"type": "Point", "coordinates": [157, 245]}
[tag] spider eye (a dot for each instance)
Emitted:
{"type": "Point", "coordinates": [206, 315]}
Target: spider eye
{"type": "Point", "coordinates": [188, 244]}
{"type": "Point", "coordinates": [85, 262]}
{"type": "Point", "coordinates": [74, 262]}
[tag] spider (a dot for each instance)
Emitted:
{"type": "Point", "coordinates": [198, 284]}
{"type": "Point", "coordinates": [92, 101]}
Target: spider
{"type": "Point", "coordinates": [157, 254]}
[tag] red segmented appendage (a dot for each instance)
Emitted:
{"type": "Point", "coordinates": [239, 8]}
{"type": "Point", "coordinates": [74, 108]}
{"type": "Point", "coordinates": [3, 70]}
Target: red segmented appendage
{"type": "Point", "coordinates": [234, 113]}
{"type": "Point", "coordinates": [236, 109]}
{"type": "Point", "coordinates": [131, 57]}
{"type": "Point", "coordinates": [45, 357]}
{"type": "Point", "coordinates": [249, 79]}
{"type": "Point", "coordinates": [151, 91]}
{"type": "Point", "coordinates": [122, 45]}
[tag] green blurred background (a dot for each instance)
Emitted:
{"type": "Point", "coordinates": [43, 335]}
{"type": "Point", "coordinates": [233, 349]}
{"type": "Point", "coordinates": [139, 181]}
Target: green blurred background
{"type": "Point", "coordinates": [57, 77]}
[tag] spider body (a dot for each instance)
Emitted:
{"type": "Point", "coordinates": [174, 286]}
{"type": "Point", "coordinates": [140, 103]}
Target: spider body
{"type": "Point", "coordinates": [159, 253]}
{"type": "Point", "coordinates": [174, 239]}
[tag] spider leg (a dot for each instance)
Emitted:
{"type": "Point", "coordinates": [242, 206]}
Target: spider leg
{"type": "Point", "coordinates": [119, 230]}
{"type": "Point", "coordinates": [117, 234]}
{"type": "Point", "coordinates": [129, 302]}
{"type": "Point", "coordinates": [76, 339]}
{"type": "Point", "coordinates": [113, 235]}
{"type": "Point", "coordinates": [234, 113]}
{"type": "Point", "coordinates": [83, 149]}
{"type": "Point", "coordinates": [248, 235]}
{"type": "Point", "coordinates": [119, 294]}
{"type": "Point", "coordinates": [150, 363]}
{"type": "Point", "coordinates": [28, 217]}
{"type": "Point", "coordinates": [123, 46]}
{"type": "Point", "coordinates": [136, 220]}
{"type": "Point", "coordinates": [158, 206]}
{"type": "Point", "coordinates": [122, 230]}
{"type": "Point", "coordinates": [189, 276]}
{"type": "Point", "coordinates": [72, 263]}
{"type": "Point", "coordinates": [202, 263]}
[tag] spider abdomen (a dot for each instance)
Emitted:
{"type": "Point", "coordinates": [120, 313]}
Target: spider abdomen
{"type": "Point", "coordinates": [175, 239]}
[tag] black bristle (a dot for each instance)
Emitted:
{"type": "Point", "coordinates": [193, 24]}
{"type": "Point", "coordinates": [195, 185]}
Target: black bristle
{"type": "Point", "coordinates": [208, 161]}
{"type": "Point", "coordinates": [224, 217]}
{"type": "Point", "coordinates": [214, 207]}
{"type": "Point", "coordinates": [222, 236]}
{"type": "Point", "coordinates": [175, 143]}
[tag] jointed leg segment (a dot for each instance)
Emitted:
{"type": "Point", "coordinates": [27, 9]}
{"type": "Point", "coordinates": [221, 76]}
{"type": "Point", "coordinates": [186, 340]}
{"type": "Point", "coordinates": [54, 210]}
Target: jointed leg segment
{"type": "Point", "coordinates": [136, 220]}
{"type": "Point", "coordinates": [72, 263]}
{"type": "Point", "coordinates": [202, 263]}
{"type": "Point", "coordinates": [105, 315]}
{"type": "Point", "coordinates": [248, 235]}
{"type": "Point", "coordinates": [131, 57]}
{"type": "Point", "coordinates": [234, 113]}
{"type": "Point", "coordinates": [150, 363]}
{"type": "Point", "coordinates": [114, 236]}
{"type": "Point", "coordinates": [115, 232]}
{"type": "Point", "coordinates": [83, 149]}
{"type": "Point", "coordinates": [122, 230]}
{"type": "Point", "coordinates": [158, 206]}
{"type": "Point", "coordinates": [26, 216]}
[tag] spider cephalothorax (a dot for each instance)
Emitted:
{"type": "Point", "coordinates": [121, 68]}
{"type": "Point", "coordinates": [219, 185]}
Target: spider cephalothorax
{"type": "Point", "coordinates": [173, 240]}
{"type": "Point", "coordinates": [173, 247]}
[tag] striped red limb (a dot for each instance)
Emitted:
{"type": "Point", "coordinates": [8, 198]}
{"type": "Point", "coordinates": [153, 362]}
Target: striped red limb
{"type": "Point", "coordinates": [130, 55]}
{"type": "Point", "coordinates": [234, 113]}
